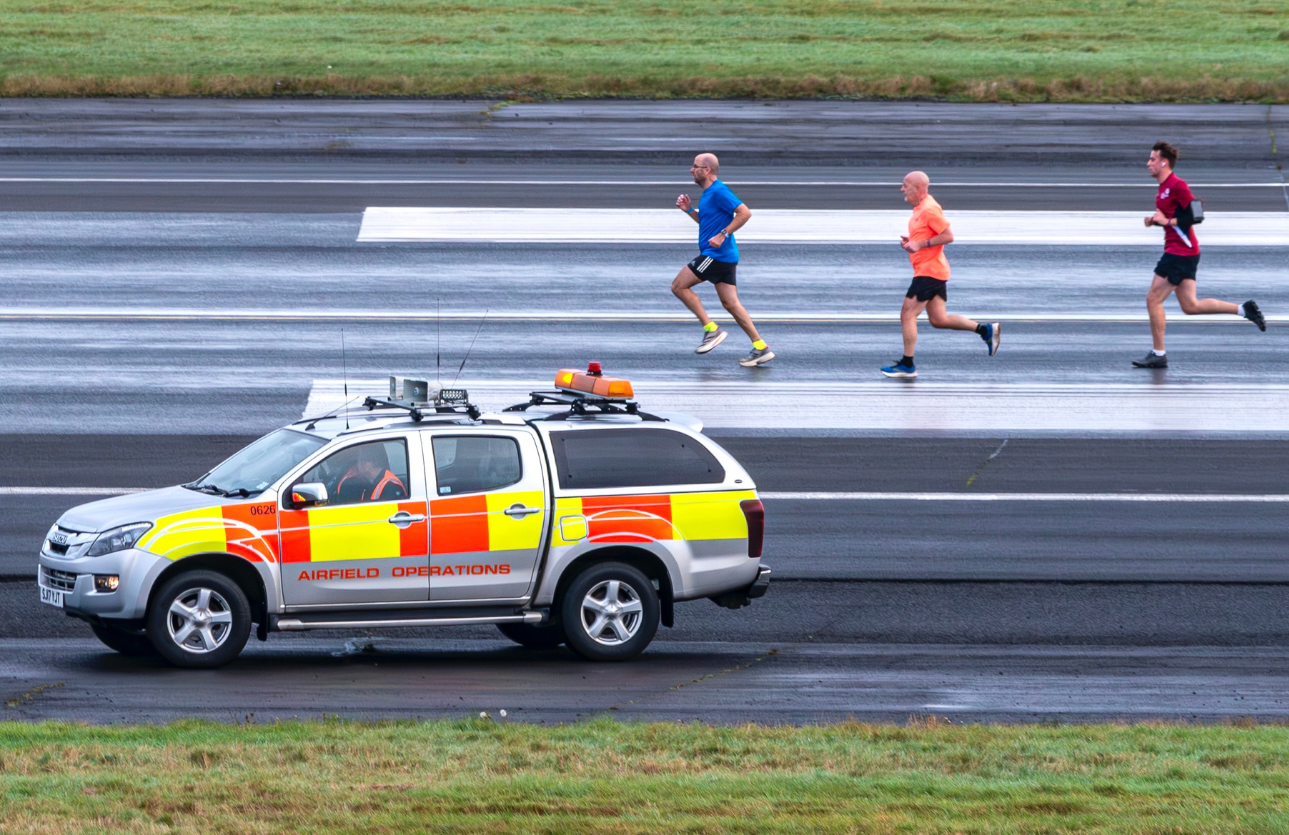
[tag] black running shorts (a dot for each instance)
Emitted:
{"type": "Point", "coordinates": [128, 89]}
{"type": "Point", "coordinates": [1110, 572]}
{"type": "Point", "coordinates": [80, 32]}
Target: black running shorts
{"type": "Point", "coordinates": [708, 268]}
{"type": "Point", "coordinates": [1177, 268]}
{"type": "Point", "coordinates": [924, 288]}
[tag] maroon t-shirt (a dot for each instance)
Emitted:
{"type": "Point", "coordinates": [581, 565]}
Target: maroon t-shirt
{"type": "Point", "coordinates": [1173, 196]}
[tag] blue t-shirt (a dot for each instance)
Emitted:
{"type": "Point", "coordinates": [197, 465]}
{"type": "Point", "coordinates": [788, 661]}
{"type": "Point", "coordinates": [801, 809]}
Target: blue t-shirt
{"type": "Point", "coordinates": [715, 211]}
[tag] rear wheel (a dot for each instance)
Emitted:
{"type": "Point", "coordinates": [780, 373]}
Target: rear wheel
{"type": "Point", "coordinates": [546, 636]}
{"type": "Point", "coordinates": [199, 619]}
{"type": "Point", "coordinates": [610, 612]}
{"type": "Point", "coordinates": [133, 644]}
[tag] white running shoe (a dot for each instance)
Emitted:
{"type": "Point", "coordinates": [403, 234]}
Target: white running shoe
{"type": "Point", "coordinates": [710, 340]}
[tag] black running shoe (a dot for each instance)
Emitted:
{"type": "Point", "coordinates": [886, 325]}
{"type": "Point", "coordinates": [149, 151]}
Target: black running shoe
{"type": "Point", "coordinates": [1254, 315]}
{"type": "Point", "coordinates": [1151, 360]}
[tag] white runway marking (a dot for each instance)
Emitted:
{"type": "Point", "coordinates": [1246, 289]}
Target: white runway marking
{"type": "Point", "coordinates": [679, 183]}
{"type": "Point", "coordinates": [820, 496]}
{"type": "Point", "coordinates": [1227, 498]}
{"type": "Point", "coordinates": [296, 315]}
{"type": "Point", "coordinates": [619, 226]}
{"type": "Point", "coordinates": [920, 407]}
{"type": "Point", "coordinates": [70, 491]}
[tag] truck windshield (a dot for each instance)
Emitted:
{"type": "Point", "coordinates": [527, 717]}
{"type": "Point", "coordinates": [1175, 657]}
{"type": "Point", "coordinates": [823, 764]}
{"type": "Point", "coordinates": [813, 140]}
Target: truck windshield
{"type": "Point", "coordinates": [259, 465]}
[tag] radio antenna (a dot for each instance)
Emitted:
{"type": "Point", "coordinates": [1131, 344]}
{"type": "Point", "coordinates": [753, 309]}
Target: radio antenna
{"type": "Point", "coordinates": [438, 344]}
{"type": "Point", "coordinates": [344, 370]}
{"type": "Point", "coordinates": [471, 348]}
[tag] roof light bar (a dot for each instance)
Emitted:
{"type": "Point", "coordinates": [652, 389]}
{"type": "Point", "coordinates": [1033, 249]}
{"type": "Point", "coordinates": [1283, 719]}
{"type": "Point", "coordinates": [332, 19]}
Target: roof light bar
{"type": "Point", "coordinates": [593, 381]}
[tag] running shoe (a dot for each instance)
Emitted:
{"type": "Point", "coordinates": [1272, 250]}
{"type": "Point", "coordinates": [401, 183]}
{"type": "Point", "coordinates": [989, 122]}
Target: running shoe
{"type": "Point", "coordinates": [1254, 315]}
{"type": "Point", "coordinates": [710, 340]}
{"type": "Point", "coordinates": [900, 371]}
{"type": "Point", "coordinates": [1151, 360]}
{"type": "Point", "coordinates": [992, 335]}
{"type": "Point", "coordinates": [759, 356]}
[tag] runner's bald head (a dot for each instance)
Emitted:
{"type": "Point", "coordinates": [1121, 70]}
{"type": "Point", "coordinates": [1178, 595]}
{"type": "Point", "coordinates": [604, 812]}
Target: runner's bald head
{"type": "Point", "coordinates": [710, 160]}
{"type": "Point", "coordinates": [915, 186]}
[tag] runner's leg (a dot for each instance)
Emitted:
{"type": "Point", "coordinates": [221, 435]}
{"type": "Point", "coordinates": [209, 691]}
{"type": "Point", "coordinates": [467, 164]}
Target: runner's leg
{"type": "Point", "coordinates": [682, 286]}
{"type": "Point", "coordinates": [936, 315]}
{"type": "Point", "coordinates": [1158, 293]}
{"type": "Point", "coordinates": [1192, 306]}
{"type": "Point", "coordinates": [909, 323]}
{"type": "Point", "coordinates": [729, 298]}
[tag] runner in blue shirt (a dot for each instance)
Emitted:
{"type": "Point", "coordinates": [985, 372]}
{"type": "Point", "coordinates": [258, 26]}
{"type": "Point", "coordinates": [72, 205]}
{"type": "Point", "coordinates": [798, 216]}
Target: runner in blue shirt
{"type": "Point", "coordinates": [718, 215]}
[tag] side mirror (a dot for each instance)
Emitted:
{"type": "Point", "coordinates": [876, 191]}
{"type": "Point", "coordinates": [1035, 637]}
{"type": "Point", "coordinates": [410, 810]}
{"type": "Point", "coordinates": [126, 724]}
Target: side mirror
{"type": "Point", "coordinates": [311, 494]}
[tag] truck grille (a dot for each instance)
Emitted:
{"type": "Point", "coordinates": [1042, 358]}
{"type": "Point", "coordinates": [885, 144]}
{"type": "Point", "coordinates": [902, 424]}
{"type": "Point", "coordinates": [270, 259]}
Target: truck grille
{"type": "Point", "coordinates": [61, 580]}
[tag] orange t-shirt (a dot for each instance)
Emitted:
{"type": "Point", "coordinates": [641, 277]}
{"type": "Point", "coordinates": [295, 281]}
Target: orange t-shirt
{"type": "Point", "coordinates": [928, 221]}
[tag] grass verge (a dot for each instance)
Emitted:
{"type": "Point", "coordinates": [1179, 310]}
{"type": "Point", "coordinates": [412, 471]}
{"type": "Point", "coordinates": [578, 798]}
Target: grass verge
{"type": "Point", "coordinates": [478, 776]}
{"type": "Point", "coordinates": [979, 50]}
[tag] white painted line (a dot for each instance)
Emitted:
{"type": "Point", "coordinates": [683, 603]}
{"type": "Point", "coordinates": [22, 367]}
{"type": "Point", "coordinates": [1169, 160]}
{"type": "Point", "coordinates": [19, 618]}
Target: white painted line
{"type": "Point", "coordinates": [1226, 498]}
{"type": "Point", "coordinates": [383, 224]}
{"type": "Point", "coordinates": [276, 314]}
{"type": "Point", "coordinates": [679, 183]}
{"type": "Point", "coordinates": [70, 491]}
{"type": "Point", "coordinates": [921, 406]}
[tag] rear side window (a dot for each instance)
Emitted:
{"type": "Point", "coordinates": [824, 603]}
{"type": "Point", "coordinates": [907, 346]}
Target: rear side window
{"type": "Point", "coordinates": [464, 464]}
{"type": "Point", "coordinates": [595, 458]}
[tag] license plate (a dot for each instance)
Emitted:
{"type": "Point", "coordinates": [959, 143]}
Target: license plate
{"type": "Point", "coordinates": [51, 596]}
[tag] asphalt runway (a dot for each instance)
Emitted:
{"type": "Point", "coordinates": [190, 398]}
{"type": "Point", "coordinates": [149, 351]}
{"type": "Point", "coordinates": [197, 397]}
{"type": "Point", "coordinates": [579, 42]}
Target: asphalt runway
{"type": "Point", "coordinates": [177, 275]}
{"type": "Point", "coordinates": [931, 540]}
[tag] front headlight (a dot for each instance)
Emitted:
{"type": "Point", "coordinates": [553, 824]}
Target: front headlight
{"type": "Point", "coordinates": [118, 539]}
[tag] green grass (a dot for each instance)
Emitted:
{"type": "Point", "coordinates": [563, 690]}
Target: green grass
{"type": "Point", "coordinates": [478, 776]}
{"type": "Point", "coordinates": [1008, 50]}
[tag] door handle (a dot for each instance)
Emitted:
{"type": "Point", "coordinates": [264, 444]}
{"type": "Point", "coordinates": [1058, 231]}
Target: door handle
{"type": "Point", "coordinates": [518, 511]}
{"type": "Point", "coordinates": [402, 519]}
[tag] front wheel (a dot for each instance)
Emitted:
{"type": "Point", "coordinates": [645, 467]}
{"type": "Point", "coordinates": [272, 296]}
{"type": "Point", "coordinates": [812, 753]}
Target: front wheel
{"type": "Point", "coordinates": [199, 619]}
{"type": "Point", "coordinates": [610, 612]}
{"type": "Point", "coordinates": [133, 644]}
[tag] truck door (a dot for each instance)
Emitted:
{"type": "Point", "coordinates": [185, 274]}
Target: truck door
{"type": "Point", "coordinates": [487, 514]}
{"type": "Point", "coordinates": [369, 542]}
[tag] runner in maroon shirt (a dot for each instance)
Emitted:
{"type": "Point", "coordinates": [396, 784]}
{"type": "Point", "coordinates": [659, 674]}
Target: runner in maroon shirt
{"type": "Point", "coordinates": [1176, 270]}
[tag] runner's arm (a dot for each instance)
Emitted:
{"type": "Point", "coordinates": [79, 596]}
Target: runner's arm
{"type": "Point", "coordinates": [687, 206]}
{"type": "Point", "coordinates": [945, 237]}
{"type": "Point", "coordinates": [741, 215]}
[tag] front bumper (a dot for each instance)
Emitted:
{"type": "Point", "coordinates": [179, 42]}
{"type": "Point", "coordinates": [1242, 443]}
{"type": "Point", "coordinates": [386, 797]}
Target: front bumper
{"type": "Point", "coordinates": [743, 597]}
{"type": "Point", "coordinates": [74, 577]}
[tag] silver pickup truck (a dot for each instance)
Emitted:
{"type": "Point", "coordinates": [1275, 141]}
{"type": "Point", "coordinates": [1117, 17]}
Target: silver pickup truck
{"type": "Point", "coordinates": [573, 518]}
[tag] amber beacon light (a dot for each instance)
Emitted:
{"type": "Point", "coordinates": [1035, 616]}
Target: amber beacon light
{"type": "Point", "coordinates": [593, 381]}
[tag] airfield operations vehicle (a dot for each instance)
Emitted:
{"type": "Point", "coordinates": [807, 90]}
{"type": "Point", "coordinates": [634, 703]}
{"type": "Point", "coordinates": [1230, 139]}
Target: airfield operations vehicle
{"type": "Point", "coordinates": [575, 517]}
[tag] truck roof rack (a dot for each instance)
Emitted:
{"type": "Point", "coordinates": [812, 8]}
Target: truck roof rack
{"type": "Point", "coordinates": [581, 405]}
{"type": "Point", "coordinates": [418, 411]}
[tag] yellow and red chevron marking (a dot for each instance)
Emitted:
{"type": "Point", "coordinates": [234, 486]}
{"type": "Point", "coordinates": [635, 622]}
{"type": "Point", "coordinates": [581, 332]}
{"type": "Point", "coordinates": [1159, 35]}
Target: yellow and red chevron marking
{"type": "Point", "coordinates": [245, 530]}
{"type": "Point", "coordinates": [662, 517]}
{"type": "Point", "coordinates": [351, 532]}
{"type": "Point", "coordinates": [466, 524]}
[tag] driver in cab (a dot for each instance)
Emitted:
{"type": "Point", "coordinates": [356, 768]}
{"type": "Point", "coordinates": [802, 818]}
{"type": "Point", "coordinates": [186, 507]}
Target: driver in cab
{"type": "Point", "coordinates": [370, 479]}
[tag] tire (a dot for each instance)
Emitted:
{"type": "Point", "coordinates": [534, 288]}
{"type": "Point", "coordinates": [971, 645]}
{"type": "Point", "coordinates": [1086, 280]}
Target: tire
{"type": "Point", "coordinates": [532, 636]}
{"type": "Point", "coordinates": [133, 644]}
{"type": "Point", "coordinates": [186, 639]}
{"type": "Point", "coordinates": [624, 632]}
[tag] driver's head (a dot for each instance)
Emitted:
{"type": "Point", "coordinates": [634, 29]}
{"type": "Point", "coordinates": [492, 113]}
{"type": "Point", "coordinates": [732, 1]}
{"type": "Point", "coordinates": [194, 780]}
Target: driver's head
{"type": "Point", "coordinates": [371, 460]}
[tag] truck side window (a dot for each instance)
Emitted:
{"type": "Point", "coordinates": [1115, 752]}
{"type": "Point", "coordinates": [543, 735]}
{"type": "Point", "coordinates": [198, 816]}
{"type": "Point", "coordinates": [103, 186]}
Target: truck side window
{"type": "Point", "coordinates": [595, 458]}
{"type": "Point", "coordinates": [371, 472]}
{"type": "Point", "coordinates": [465, 464]}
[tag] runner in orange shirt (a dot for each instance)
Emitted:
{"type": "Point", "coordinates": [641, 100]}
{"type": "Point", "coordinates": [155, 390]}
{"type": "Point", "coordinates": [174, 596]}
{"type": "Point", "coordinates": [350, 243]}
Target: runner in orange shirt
{"type": "Point", "coordinates": [928, 235]}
